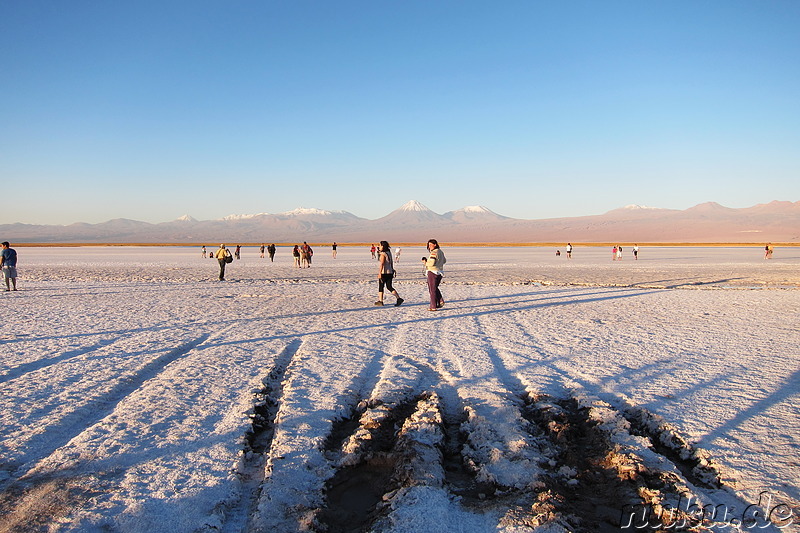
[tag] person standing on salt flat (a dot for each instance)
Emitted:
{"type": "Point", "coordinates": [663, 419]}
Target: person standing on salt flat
{"type": "Point", "coordinates": [8, 263]}
{"type": "Point", "coordinates": [386, 274]}
{"type": "Point", "coordinates": [222, 255]}
{"type": "Point", "coordinates": [434, 266]}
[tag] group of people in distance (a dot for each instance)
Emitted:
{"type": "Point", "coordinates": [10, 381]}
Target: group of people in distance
{"type": "Point", "coordinates": [434, 267]}
{"type": "Point", "coordinates": [302, 255]}
{"type": "Point", "coordinates": [375, 251]}
{"type": "Point", "coordinates": [616, 252]}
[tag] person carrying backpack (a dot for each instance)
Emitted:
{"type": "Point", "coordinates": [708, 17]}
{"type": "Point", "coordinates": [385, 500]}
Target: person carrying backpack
{"type": "Point", "coordinates": [223, 257]}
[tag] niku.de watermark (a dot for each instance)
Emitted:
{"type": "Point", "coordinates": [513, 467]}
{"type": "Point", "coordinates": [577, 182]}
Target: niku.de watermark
{"type": "Point", "coordinates": [688, 513]}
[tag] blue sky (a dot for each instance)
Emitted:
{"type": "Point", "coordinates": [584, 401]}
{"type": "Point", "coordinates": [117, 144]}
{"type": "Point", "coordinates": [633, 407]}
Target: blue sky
{"type": "Point", "coordinates": [151, 110]}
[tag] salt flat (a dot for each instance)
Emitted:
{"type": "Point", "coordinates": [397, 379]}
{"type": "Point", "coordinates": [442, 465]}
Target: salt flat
{"type": "Point", "coordinates": [140, 394]}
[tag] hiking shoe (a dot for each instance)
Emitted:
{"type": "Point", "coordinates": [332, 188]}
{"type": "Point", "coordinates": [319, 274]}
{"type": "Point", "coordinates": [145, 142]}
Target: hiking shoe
{"type": "Point", "coordinates": [379, 303]}
{"type": "Point", "coordinates": [398, 302]}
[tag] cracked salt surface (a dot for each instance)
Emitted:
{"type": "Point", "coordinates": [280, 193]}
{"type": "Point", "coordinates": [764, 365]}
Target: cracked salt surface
{"type": "Point", "coordinates": [137, 394]}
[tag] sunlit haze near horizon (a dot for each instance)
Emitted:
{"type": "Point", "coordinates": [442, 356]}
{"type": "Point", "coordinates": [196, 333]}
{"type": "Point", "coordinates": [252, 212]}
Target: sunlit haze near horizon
{"type": "Point", "coordinates": [150, 111]}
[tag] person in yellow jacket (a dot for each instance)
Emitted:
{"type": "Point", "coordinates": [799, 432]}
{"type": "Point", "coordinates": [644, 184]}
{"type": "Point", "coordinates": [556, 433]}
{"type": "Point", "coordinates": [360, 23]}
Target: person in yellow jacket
{"type": "Point", "coordinates": [434, 267]}
{"type": "Point", "coordinates": [222, 254]}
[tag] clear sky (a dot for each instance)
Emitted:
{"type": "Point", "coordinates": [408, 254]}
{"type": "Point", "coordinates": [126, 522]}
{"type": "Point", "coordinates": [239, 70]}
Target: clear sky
{"type": "Point", "coordinates": [535, 109]}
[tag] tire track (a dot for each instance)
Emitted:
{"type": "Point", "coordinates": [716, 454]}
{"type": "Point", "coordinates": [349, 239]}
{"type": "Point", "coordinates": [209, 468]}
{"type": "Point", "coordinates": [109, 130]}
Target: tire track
{"type": "Point", "coordinates": [278, 507]}
{"type": "Point", "coordinates": [387, 452]}
{"type": "Point", "coordinates": [372, 452]}
{"type": "Point", "coordinates": [251, 467]}
{"type": "Point", "coordinates": [25, 368]}
{"type": "Point", "coordinates": [57, 435]}
{"type": "Point", "coordinates": [594, 469]}
{"type": "Point", "coordinates": [611, 469]}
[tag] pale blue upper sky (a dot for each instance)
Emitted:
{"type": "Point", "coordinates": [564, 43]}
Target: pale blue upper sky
{"type": "Point", "coordinates": [151, 110]}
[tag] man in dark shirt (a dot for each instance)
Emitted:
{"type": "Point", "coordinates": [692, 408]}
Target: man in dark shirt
{"type": "Point", "coordinates": [8, 262]}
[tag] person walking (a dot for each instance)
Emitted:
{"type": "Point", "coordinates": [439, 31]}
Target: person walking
{"type": "Point", "coordinates": [386, 274]}
{"type": "Point", "coordinates": [305, 255]}
{"type": "Point", "coordinates": [333, 250]}
{"type": "Point", "coordinates": [238, 252]}
{"type": "Point", "coordinates": [569, 250]}
{"type": "Point", "coordinates": [271, 252]}
{"type": "Point", "coordinates": [8, 263]}
{"type": "Point", "coordinates": [296, 255]}
{"type": "Point", "coordinates": [636, 252]}
{"type": "Point", "coordinates": [434, 267]}
{"type": "Point", "coordinates": [204, 252]}
{"type": "Point", "coordinates": [223, 257]}
{"type": "Point", "coordinates": [261, 250]}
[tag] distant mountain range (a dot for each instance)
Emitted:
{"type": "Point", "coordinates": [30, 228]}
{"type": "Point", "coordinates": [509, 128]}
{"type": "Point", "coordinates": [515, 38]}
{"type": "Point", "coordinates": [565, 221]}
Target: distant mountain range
{"type": "Point", "coordinates": [413, 222]}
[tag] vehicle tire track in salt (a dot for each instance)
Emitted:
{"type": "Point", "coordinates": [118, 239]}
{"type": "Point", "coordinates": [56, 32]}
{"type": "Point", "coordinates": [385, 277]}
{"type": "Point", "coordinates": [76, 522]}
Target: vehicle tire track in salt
{"type": "Point", "coordinates": [251, 468]}
{"type": "Point", "coordinates": [380, 457]}
{"type": "Point", "coordinates": [58, 435]}
{"type": "Point", "coordinates": [603, 476]}
{"type": "Point", "coordinates": [695, 464]}
{"type": "Point", "coordinates": [387, 449]}
{"type": "Point", "coordinates": [40, 364]}
{"type": "Point", "coordinates": [586, 483]}
{"type": "Point", "coordinates": [362, 445]}
{"type": "Point", "coordinates": [460, 474]}
{"type": "Point", "coordinates": [280, 506]}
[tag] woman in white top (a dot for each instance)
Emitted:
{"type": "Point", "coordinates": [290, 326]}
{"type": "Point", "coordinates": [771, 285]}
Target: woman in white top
{"type": "Point", "coordinates": [434, 265]}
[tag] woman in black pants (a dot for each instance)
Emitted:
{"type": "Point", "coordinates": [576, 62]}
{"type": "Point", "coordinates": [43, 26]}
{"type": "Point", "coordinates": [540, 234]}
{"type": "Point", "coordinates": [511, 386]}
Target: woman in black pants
{"type": "Point", "coordinates": [386, 274]}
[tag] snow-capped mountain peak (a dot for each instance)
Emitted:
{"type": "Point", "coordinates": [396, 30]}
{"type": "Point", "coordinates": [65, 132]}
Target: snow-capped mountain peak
{"type": "Point", "coordinates": [413, 205]}
{"type": "Point", "coordinates": [243, 217]}
{"type": "Point", "coordinates": [473, 213]}
{"type": "Point", "coordinates": [478, 209]}
{"type": "Point", "coordinates": [300, 211]}
{"type": "Point", "coordinates": [636, 207]}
